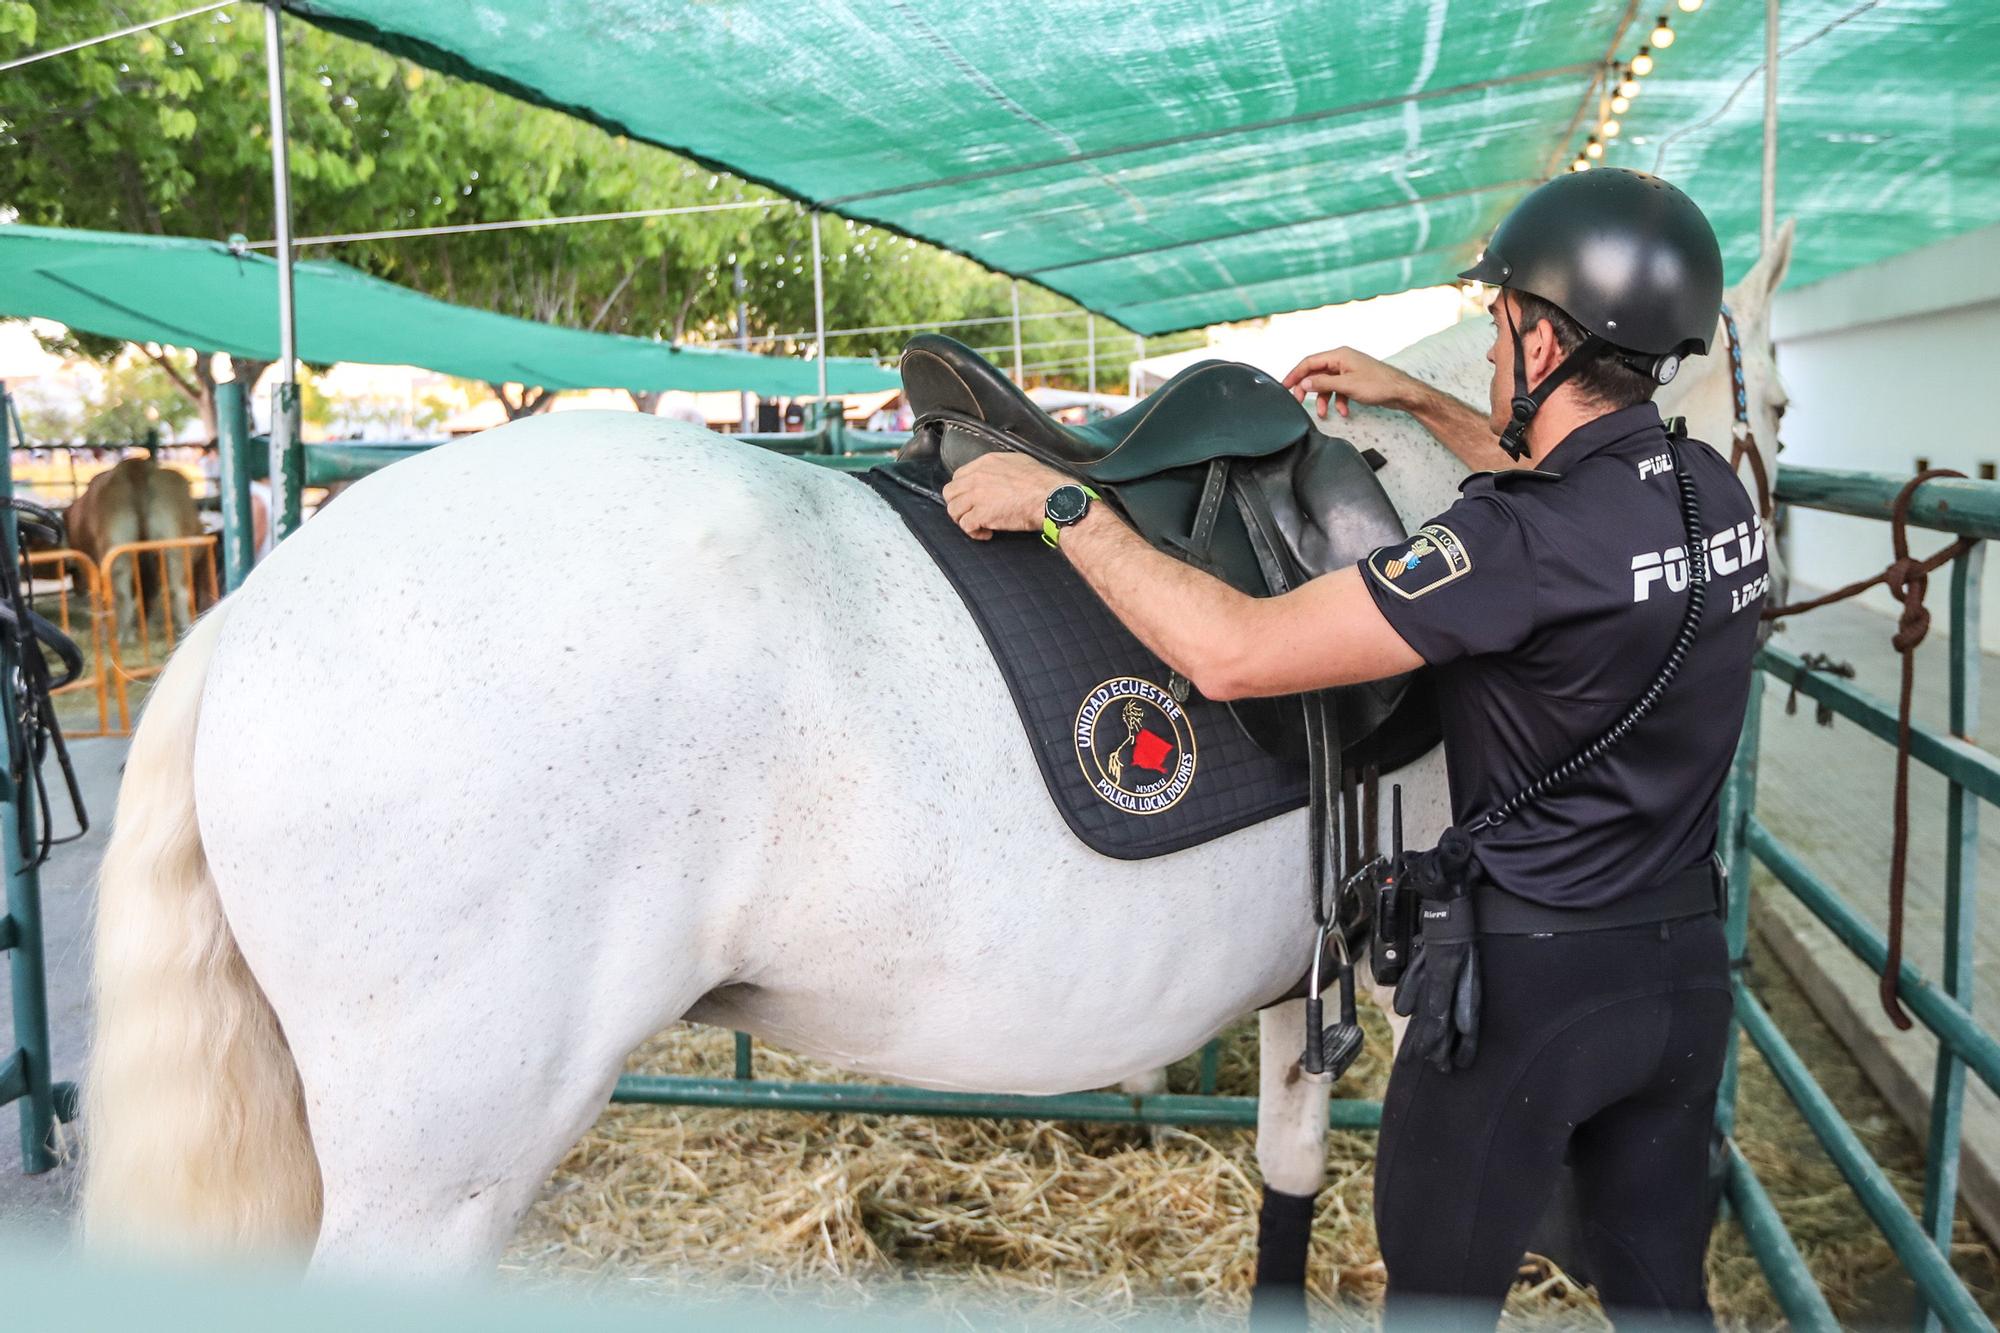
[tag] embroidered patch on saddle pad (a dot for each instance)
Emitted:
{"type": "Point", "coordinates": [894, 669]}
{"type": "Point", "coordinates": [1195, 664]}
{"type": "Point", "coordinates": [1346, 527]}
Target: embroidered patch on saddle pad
{"type": "Point", "coordinates": [1136, 745]}
{"type": "Point", "coordinates": [1432, 557]}
{"type": "Point", "coordinates": [1133, 771]}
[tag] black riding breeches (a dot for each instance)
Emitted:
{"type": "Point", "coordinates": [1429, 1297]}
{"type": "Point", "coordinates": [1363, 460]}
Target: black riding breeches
{"type": "Point", "coordinates": [1606, 1046]}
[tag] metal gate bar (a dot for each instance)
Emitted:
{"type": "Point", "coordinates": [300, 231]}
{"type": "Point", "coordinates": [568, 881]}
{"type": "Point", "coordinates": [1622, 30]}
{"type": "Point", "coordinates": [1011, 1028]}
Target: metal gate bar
{"type": "Point", "coordinates": [1162, 1108]}
{"type": "Point", "coordinates": [1964, 508]}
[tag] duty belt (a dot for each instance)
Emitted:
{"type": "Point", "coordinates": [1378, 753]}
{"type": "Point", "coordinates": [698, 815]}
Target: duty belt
{"type": "Point", "coordinates": [1695, 891]}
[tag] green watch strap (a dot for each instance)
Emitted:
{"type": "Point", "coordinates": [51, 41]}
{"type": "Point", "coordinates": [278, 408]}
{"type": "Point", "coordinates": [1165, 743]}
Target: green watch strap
{"type": "Point", "coordinates": [1052, 531]}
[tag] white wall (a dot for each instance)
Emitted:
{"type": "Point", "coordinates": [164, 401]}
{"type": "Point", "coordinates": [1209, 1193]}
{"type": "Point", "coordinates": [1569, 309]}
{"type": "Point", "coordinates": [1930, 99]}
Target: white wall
{"type": "Point", "coordinates": [1884, 365]}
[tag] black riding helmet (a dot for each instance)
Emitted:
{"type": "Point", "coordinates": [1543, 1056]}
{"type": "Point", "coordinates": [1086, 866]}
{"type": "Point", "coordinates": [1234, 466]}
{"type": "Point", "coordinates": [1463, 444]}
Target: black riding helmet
{"type": "Point", "coordinates": [1627, 256]}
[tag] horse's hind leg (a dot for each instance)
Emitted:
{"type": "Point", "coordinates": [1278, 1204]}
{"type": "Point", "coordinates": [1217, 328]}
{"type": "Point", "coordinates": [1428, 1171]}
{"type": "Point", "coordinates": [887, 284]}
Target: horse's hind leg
{"type": "Point", "coordinates": [434, 1131]}
{"type": "Point", "coordinates": [1291, 1153]}
{"type": "Point", "coordinates": [427, 1171]}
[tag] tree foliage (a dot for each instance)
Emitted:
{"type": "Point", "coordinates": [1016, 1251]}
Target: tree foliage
{"type": "Point", "coordinates": [124, 400]}
{"type": "Point", "coordinates": [166, 132]}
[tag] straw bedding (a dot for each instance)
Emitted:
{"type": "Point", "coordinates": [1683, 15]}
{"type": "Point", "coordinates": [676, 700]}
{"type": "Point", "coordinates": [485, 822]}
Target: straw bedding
{"type": "Point", "coordinates": [1102, 1223]}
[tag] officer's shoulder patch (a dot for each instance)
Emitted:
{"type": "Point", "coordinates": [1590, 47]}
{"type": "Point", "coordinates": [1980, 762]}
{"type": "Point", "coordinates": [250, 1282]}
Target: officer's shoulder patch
{"type": "Point", "coordinates": [1429, 558]}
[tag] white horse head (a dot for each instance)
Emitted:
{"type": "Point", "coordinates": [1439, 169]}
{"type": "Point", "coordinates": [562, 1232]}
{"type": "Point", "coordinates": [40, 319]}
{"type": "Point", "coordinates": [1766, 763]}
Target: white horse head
{"type": "Point", "coordinates": [1706, 396]}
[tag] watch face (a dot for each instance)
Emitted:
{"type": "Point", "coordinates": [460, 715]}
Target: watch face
{"type": "Point", "coordinates": [1067, 504]}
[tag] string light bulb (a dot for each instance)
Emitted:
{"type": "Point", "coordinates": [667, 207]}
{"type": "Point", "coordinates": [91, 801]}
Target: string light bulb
{"type": "Point", "coordinates": [1662, 36]}
{"type": "Point", "coordinates": [1689, 6]}
{"type": "Point", "coordinates": [1642, 64]}
{"type": "Point", "coordinates": [1593, 149]}
{"type": "Point", "coordinates": [1620, 104]}
{"type": "Point", "coordinates": [1609, 129]}
{"type": "Point", "coordinates": [1581, 164]}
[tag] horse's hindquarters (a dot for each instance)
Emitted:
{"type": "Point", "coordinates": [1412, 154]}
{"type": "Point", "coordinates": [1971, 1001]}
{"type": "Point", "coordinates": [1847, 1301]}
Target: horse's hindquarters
{"type": "Point", "coordinates": [560, 817]}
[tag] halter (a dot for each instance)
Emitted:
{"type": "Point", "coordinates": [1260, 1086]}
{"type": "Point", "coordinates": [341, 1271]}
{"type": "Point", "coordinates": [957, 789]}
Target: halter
{"type": "Point", "coordinates": [1743, 441]}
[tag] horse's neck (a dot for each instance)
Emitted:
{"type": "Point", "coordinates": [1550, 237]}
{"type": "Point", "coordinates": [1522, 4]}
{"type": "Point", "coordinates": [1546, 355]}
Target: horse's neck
{"type": "Point", "coordinates": [1452, 359]}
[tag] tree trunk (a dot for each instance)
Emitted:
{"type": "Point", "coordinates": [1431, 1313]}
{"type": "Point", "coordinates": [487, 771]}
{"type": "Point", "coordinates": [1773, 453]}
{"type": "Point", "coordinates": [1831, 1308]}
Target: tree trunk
{"type": "Point", "coordinates": [647, 401]}
{"type": "Point", "coordinates": [248, 371]}
{"type": "Point", "coordinates": [527, 404]}
{"type": "Point", "coordinates": [204, 378]}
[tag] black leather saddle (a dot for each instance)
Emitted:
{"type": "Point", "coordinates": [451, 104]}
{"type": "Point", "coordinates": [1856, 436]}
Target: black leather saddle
{"type": "Point", "coordinates": [1221, 467]}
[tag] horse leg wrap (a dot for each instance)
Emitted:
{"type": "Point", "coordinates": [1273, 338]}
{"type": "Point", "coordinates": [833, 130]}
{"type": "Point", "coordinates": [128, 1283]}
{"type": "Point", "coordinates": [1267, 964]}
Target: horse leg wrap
{"type": "Point", "coordinates": [1284, 1229]}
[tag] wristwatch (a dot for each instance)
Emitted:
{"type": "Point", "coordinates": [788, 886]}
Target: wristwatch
{"type": "Point", "coordinates": [1067, 505]}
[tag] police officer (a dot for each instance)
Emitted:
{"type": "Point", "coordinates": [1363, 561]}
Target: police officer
{"type": "Point", "coordinates": [1571, 993]}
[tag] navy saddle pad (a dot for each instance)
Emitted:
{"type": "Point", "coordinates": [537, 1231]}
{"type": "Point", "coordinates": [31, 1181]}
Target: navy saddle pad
{"type": "Point", "coordinates": [1134, 772]}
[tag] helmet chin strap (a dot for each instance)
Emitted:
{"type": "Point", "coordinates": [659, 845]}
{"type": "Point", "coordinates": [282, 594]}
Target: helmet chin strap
{"type": "Point", "coordinates": [1527, 402]}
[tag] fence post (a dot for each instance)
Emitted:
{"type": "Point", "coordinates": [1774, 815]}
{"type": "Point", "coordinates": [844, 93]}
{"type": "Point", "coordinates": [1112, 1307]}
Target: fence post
{"type": "Point", "coordinates": [1961, 868]}
{"type": "Point", "coordinates": [232, 443]}
{"type": "Point", "coordinates": [1739, 800]}
{"type": "Point", "coordinates": [25, 1071]}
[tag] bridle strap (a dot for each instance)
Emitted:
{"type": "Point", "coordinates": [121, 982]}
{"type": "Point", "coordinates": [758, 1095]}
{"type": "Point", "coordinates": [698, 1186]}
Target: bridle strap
{"type": "Point", "coordinates": [1743, 441]}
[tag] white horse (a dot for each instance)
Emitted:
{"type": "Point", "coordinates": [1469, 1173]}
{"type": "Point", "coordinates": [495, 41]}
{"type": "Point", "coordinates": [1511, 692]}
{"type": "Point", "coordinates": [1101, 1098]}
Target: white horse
{"type": "Point", "coordinates": [407, 860]}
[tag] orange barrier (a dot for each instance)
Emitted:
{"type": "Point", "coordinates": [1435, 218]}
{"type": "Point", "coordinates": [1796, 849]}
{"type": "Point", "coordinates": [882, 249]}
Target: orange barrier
{"type": "Point", "coordinates": [64, 563]}
{"type": "Point", "coordinates": [106, 670]}
{"type": "Point", "coordinates": [175, 617]}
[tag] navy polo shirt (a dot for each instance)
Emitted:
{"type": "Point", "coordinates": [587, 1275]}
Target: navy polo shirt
{"type": "Point", "coordinates": [1545, 601]}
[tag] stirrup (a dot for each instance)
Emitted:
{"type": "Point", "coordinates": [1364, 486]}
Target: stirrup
{"type": "Point", "coordinates": [1330, 1051]}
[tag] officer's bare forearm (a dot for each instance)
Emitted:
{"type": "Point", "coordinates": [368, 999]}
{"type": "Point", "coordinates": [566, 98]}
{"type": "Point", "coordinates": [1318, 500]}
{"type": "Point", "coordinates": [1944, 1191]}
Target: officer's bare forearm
{"type": "Point", "coordinates": [1193, 620]}
{"type": "Point", "coordinates": [1458, 426]}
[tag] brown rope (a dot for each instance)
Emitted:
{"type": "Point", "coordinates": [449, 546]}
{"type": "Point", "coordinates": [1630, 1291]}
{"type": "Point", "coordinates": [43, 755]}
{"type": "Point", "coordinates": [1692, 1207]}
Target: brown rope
{"type": "Point", "coordinates": [1746, 447]}
{"type": "Point", "coordinates": [1907, 580]}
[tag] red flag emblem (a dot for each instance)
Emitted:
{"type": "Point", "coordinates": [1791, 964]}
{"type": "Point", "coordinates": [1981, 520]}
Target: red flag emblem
{"type": "Point", "coordinates": [1149, 751]}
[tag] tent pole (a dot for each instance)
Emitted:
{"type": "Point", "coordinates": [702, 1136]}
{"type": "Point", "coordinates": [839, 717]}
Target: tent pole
{"type": "Point", "coordinates": [1017, 334]}
{"type": "Point", "coordinates": [746, 410]}
{"type": "Point", "coordinates": [1769, 230]}
{"type": "Point", "coordinates": [287, 452]}
{"type": "Point", "coordinates": [1090, 351]}
{"type": "Point", "coordinates": [1138, 355]}
{"type": "Point", "coordinates": [232, 436]}
{"type": "Point", "coordinates": [819, 322]}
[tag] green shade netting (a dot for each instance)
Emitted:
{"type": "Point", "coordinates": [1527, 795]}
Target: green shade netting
{"type": "Point", "coordinates": [198, 294]}
{"type": "Point", "coordinates": [1182, 162]}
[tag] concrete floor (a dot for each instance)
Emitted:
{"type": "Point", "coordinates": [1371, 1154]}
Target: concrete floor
{"type": "Point", "coordinates": [41, 1204]}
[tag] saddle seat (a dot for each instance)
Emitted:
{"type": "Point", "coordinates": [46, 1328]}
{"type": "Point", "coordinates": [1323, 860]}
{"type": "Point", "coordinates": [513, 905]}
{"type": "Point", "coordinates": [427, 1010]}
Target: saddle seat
{"type": "Point", "coordinates": [1221, 467]}
{"type": "Point", "coordinates": [1213, 409]}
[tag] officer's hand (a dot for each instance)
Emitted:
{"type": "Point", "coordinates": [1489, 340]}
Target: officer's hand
{"type": "Point", "coordinates": [1000, 492]}
{"type": "Point", "coordinates": [1344, 374]}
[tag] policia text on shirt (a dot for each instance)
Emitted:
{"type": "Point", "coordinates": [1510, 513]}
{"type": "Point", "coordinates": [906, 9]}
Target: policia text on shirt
{"type": "Point", "coordinates": [1570, 995]}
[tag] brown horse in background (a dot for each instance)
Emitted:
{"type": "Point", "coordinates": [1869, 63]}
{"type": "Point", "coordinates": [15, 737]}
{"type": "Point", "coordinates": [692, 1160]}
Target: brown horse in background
{"type": "Point", "coordinates": [138, 500]}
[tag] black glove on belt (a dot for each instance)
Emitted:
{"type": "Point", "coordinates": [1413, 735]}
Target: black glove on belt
{"type": "Point", "coordinates": [1440, 992]}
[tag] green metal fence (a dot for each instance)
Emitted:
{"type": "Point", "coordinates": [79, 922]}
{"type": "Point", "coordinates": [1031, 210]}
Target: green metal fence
{"type": "Point", "coordinates": [1921, 1244]}
{"type": "Point", "coordinates": [745, 1091]}
{"type": "Point", "coordinates": [25, 1067]}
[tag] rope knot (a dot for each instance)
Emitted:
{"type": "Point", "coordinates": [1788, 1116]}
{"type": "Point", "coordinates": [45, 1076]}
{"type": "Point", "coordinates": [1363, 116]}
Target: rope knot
{"type": "Point", "coordinates": [1908, 581]}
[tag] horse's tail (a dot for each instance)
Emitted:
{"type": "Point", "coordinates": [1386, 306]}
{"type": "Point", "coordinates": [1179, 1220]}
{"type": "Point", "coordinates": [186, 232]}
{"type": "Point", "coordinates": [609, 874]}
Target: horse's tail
{"type": "Point", "coordinates": [196, 1124]}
